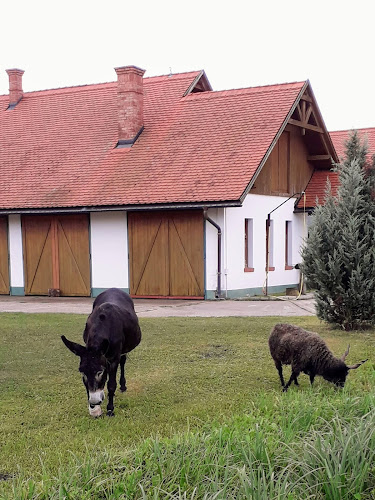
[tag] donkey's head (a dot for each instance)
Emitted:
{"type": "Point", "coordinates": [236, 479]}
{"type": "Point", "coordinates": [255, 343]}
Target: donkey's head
{"type": "Point", "coordinates": [93, 368]}
{"type": "Point", "coordinates": [340, 370]}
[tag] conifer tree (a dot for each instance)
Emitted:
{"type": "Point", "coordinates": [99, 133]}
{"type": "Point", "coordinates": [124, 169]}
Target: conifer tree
{"type": "Point", "coordinates": [339, 254]}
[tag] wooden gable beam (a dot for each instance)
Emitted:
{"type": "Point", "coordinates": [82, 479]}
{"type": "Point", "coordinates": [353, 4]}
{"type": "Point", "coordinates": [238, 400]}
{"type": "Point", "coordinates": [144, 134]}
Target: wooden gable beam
{"type": "Point", "coordinates": [308, 126]}
{"type": "Point", "coordinates": [319, 157]}
{"type": "Point", "coordinates": [306, 97]}
{"type": "Point", "coordinates": [308, 113]}
{"type": "Point", "coordinates": [305, 112]}
{"type": "Point", "coordinates": [325, 142]}
{"type": "Point", "coordinates": [299, 111]}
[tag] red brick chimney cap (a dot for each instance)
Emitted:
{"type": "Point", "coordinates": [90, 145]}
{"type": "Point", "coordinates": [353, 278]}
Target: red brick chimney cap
{"type": "Point", "coordinates": [15, 70]}
{"type": "Point", "coordinates": [122, 70]}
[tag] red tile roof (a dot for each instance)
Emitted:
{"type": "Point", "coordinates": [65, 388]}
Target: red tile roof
{"type": "Point", "coordinates": [57, 147]}
{"type": "Point", "coordinates": [317, 185]}
{"type": "Point", "coordinates": [316, 188]}
{"type": "Point", "coordinates": [339, 138]}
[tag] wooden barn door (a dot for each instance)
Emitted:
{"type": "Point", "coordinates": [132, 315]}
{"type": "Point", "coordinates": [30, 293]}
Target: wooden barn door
{"type": "Point", "coordinates": [37, 249]}
{"type": "Point", "coordinates": [186, 256]}
{"type": "Point", "coordinates": [74, 254]}
{"type": "Point", "coordinates": [56, 254]}
{"type": "Point", "coordinates": [166, 254]}
{"type": "Point", "coordinates": [4, 265]}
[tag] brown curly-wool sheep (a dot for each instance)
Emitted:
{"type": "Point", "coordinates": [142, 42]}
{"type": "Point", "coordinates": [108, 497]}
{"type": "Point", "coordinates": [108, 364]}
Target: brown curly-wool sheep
{"type": "Point", "coordinates": [307, 353]}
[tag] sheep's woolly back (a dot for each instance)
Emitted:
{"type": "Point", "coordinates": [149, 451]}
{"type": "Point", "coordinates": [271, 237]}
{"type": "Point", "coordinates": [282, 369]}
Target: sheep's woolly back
{"type": "Point", "coordinates": [304, 350]}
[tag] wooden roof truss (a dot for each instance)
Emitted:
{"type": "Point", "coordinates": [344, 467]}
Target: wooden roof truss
{"type": "Point", "coordinates": [307, 117]}
{"type": "Point", "coordinates": [305, 114]}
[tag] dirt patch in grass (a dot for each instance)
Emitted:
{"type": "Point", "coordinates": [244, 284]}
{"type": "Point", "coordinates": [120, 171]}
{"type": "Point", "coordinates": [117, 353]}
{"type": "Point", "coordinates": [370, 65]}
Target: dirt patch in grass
{"type": "Point", "coordinates": [5, 477]}
{"type": "Point", "coordinates": [217, 351]}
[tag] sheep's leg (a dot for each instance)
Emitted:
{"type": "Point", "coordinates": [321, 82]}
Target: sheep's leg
{"type": "Point", "coordinates": [293, 377]}
{"type": "Point", "coordinates": [279, 368]}
{"type": "Point", "coordinates": [312, 376]}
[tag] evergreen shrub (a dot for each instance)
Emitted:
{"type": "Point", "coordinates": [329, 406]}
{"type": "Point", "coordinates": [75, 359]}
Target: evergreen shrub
{"type": "Point", "coordinates": [339, 253]}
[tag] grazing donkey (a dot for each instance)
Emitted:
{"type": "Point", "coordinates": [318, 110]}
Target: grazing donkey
{"type": "Point", "coordinates": [307, 353]}
{"type": "Point", "coordinates": [112, 330]}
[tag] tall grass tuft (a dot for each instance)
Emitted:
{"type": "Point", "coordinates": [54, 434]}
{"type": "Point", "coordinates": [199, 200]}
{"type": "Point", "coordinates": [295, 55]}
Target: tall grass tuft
{"type": "Point", "coordinates": [333, 460]}
{"type": "Point", "coordinates": [337, 461]}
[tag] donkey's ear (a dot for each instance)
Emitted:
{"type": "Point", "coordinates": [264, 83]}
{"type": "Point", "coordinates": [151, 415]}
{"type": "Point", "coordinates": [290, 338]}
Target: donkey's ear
{"type": "Point", "coordinates": [76, 349]}
{"type": "Point", "coordinates": [357, 365]}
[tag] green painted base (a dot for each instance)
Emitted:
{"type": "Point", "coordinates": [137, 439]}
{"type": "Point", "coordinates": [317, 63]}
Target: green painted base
{"type": "Point", "coordinates": [248, 292]}
{"type": "Point", "coordinates": [96, 291]}
{"type": "Point", "coordinates": [209, 295]}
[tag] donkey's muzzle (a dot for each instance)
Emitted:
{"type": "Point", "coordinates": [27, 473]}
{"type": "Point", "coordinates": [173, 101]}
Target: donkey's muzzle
{"type": "Point", "coordinates": [96, 398]}
{"type": "Point", "coordinates": [95, 410]}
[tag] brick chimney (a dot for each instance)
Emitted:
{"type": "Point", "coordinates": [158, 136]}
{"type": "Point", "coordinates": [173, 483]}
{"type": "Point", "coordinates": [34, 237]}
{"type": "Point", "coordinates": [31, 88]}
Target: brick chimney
{"type": "Point", "coordinates": [15, 86]}
{"type": "Point", "coordinates": [129, 104]}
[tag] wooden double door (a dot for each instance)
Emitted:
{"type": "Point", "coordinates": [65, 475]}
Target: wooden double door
{"type": "Point", "coordinates": [56, 254]}
{"type": "Point", "coordinates": [166, 254]}
{"type": "Point", "coordinates": [4, 260]}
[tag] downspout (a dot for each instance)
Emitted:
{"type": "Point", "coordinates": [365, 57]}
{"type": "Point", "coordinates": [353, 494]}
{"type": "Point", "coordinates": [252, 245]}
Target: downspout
{"type": "Point", "coordinates": [219, 233]}
{"type": "Point", "coordinates": [268, 223]}
{"type": "Point", "coordinates": [225, 253]}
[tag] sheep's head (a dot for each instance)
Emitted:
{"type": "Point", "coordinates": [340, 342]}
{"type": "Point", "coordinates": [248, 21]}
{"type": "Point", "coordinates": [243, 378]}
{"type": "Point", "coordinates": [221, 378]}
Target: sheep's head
{"type": "Point", "coordinates": [338, 372]}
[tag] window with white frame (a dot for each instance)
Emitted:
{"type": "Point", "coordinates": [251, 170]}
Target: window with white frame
{"type": "Point", "coordinates": [269, 246]}
{"type": "Point", "coordinates": [249, 245]}
{"type": "Point", "coordinates": [288, 244]}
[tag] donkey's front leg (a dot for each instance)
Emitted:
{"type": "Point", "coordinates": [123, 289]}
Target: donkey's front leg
{"type": "Point", "coordinates": [111, 386]}
{"type": "Point", "coordinates": [122, 374]}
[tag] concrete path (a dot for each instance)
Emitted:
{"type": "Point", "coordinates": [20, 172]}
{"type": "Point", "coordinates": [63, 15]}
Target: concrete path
{"type": "Point", "coordinates": [153, 308]}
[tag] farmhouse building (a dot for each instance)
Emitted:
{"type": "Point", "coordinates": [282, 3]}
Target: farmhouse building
{"type": "Point", "coordinates": [159, 186]}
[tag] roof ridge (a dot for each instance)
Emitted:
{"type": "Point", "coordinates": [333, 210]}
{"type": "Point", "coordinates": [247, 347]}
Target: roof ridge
{"type": "Point", "coordinates": [352, 128]}
{"type": "Point", "coordinates": [83, 87]}
{"type": "Point", "coordinates": [296, 82]}
{"type": "Point", "coordinates": [91, 86]}
{"type": "Point", "coordinates": [243, 90]}
{"type": "Point", "coordinates": [175, 75]}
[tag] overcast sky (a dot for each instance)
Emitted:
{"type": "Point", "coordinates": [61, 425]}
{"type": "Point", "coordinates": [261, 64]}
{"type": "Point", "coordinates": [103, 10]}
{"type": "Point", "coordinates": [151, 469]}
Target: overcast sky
{"type": "Point", "coordinates": [238, 43]}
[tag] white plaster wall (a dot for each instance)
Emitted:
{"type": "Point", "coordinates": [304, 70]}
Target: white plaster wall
{"type": "Point", "coordinates": [109, 250]}
{"type": "Point", "coordinates": [255, 207]}
{"type": "Point", "coordinates": [15, 251]}
{"type": "Point", "coordinates": [217, 215]}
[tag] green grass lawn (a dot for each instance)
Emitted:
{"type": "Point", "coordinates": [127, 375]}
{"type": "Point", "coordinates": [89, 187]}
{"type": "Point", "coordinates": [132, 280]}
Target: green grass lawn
{"type": "Point", "coordinates": [203, 417]}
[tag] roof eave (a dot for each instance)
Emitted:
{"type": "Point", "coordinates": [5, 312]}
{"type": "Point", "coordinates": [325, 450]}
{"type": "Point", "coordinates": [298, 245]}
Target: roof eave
{"type": "Point", "coordinates": [127, 208]}
{"type": "Point", "coordinates": [308, 210]}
